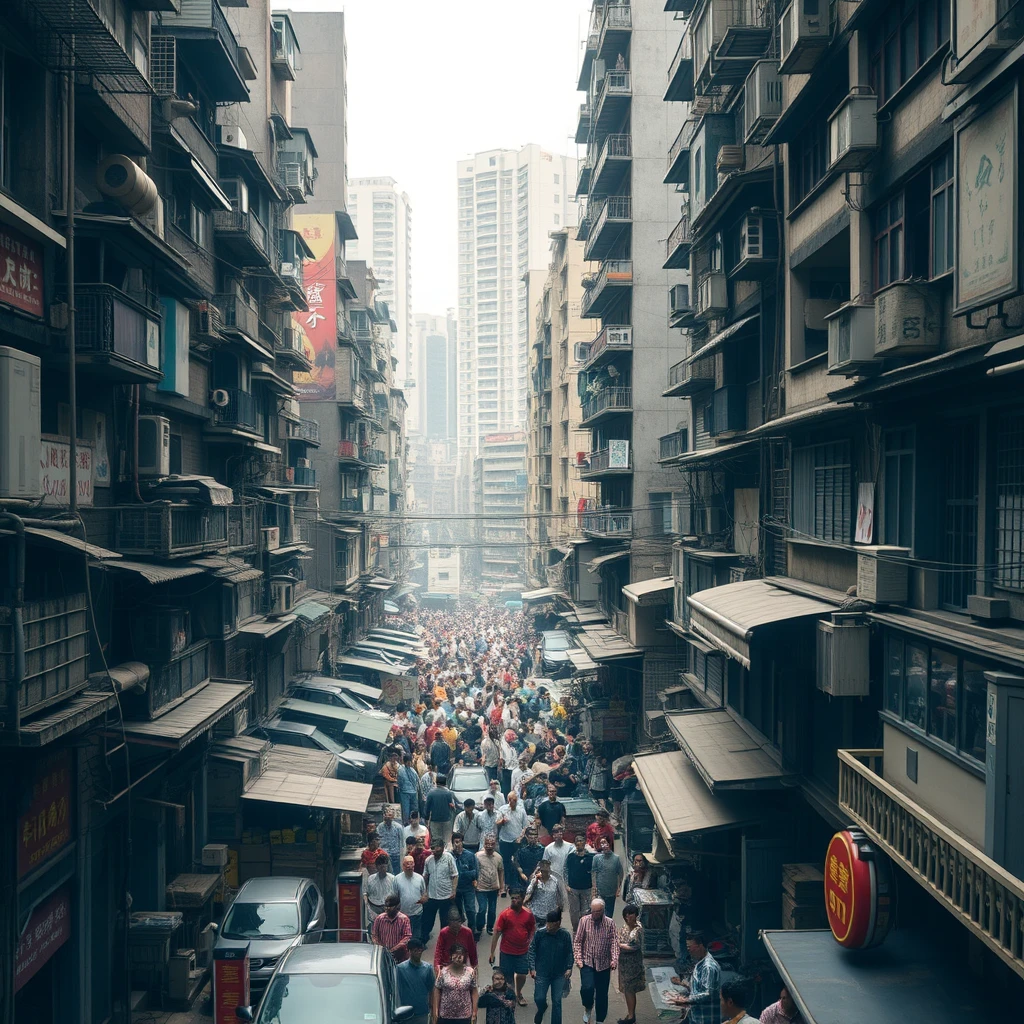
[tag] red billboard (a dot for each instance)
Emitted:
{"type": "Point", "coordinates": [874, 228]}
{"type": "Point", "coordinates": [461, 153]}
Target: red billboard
{"type": "Point", "coordinates": [858, 891]}
{"type": "Point", "coordinates": [230, 983]}
{"type": "Point", "coordinates": [44, 826]}
{"type": "Point", "coordinates": [21, 272]}
{"type": "Point", "coordinates": [318, 326]}
{"type": "Point", "coordinates": [47, 930]}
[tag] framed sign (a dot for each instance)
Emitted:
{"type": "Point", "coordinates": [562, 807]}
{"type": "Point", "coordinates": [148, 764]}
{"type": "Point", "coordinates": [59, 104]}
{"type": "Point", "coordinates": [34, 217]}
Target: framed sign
{"type": "Point", "coordinates": [987, 269]}
{"type": "Point", "coordinates": [859, 894]}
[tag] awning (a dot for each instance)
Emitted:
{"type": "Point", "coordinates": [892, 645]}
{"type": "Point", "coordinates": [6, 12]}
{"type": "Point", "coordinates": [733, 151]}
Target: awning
{"type": "Point", "coordinates": [649, 592]}
{"type": "Point", "coordinates": [602, 643]}
{"type": "Point", "coordinates": [153, 573]}
{"type": "Point", "coordinates": [544, 594]}
{"type": "Point", "coordinates": [360, 689]}
{"type": "Point", "coordinates": [406, 589]}
{"type": "Point", "coordinates": [369, 663]}
{"type": "Point", "coordinates": [67, 716]}
{"type": "Point", "coordinates": [394, 646]}
{"type": "Point", "coordinates": [312, 611]}
{"type": "Point", "coordinates": [265, 627]}
{"type": "Point", "coordinates": [379, 586]}
{"type": "Point", "coordinates": [722, 337]}
{"type": "Point", "coordinates": [355, 723]}
{"type": "Point", "coordinates": [283, 758]}
{"type": "Point", "coordinates": [681, 803]}
{"type": "Point", "coordinates": [613, 556]}
{"type": "Point", "coordinates": [191, 718]}
{"type": "Point", "coordinates": [390, 608]}
{"type": "Point", "coordinates": [905, 979]}
{"type": "Point", "coordinates": [583, 615]}
{"type": "Point", "coordinates": [724, 753]}
{"type": "Point", "coordinates": [948, 635]}
{"type": "Point", "coordinates": [728, 615]}
{"type": "Point", "coordinates": [233, 570]}
{"type": "Point", "coordinates": [383, 581]}
{"type": "Point", "coordinates": [57, 537]}
{"type": "Point", "coordinates": [302, 790]}
{"type": "Point", "coordinates": [581, 661]}
{"type": "Point", "coordinates": [711, 454]}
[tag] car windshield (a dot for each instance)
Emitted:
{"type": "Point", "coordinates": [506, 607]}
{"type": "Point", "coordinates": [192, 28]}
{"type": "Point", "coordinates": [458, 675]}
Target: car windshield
{"type": "Point", "coordinates": [470, 779]}
{"type": "Point", "coordinates": [324, 998]}
{"type": "Point", "coordinates": [556, 642]}
{"type": "Point", "coordinates": [261, 921]}
{"type": "Point", "coordinates": [326, 743]}
{"type": "Point", "coordinates": [354, 702]}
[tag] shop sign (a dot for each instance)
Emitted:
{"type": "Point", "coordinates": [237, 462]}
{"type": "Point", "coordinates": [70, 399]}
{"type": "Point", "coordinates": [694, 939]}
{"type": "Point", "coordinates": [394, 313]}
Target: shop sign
{"type": "Point", "coordinates": [230, 983]}
{"type": "Point", "coordinates": [859, 893]}
{"type": "Point", "coordinates": [55, 470]}
{"type": "Point", "coordinates": [21, 272]}
{"type": "Point", "coordinates": [350, 907]}
{"type": "Point", "coordinates": [317, 327]}
{"type": "Point", "coordinates": [48, 929]}
{"type": "Point", "coordinates": [45, 826]}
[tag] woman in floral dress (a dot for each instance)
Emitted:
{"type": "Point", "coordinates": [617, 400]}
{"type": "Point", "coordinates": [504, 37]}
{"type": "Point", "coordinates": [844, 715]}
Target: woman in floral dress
{"type": "Point", "coordinates": [631, 960]}
{"type": "Point", "coordinates": [455, 992]}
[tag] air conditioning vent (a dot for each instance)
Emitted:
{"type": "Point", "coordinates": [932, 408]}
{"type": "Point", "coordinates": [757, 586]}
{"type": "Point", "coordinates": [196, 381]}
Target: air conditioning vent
{"type": "Point", "coordinates": [730, 158]}
{"type": "Point", "coordinates": [853, 132]}
{"type": "Point", "coordinates": [679, 299]}
{"type": "Point", "coordinates": [851, 338]}
{"type": "Point", "coordinates": [154, 446]}
{"type": "Point", "coordinates": [982, 32]}
{"type": "Point", "coordinates": [757, 247]}
{"type": "Point", "coordinates": [762, 101]}
{"type": "Point", "coordinates": [712, 296]}
{"type": "Point", "coordinates": [231, 135]}
{"type": "Point", "coordinates": [843, 662]}
{"type": "Point", "coordinates": [907, 320]}
{"type": "Point", "coordinates": [581, 351]}
{"type": "Point", "coordinates": [882, 574]}
{"type": "Point", "coordinates": [804, 36]}
{"type": "Point", "coordinates": [207, 321]}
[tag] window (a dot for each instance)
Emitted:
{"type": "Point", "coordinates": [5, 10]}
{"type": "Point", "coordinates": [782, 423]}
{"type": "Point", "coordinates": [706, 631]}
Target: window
{"type": "Point", "coordinates": [1010, 501]}
{"type": "Point", "coordinates": [903, 41]}
{"type": "Point", "coordinates": [661, 512]}
{"type": "Point", "coordinates": [941, 249]}
{"type": "Point", "coordinates": [442, 575]}
{"type": "Point", "coordinates": [822, 492]}
{"type": "Point", "coordinates": [558, 220]}
{"type": "Point", "coordinates": [959, 475]}
{"type": "Point", "coordinates": [888, 231]}
{"type": "Point", "coordinates": [898, 488]}
{"type": "Point", "coordinates": [557, 179]}
{"type": "Point", "coordinates": [558, 198]}
{"type": "Point", "coordinates": [809, 157]}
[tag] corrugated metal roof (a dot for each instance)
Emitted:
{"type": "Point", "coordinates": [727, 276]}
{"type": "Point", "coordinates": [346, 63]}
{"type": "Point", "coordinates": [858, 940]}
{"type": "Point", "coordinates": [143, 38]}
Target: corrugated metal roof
{"type": "Point", "coordinates": [354, 722]}
{"type": "Point", "coordinates": [192, 717]}
{"type": "Point", "coordinates": [60, 720]}
{"type": "Point", "coordinates": [722, 337]}
{"type": "Point", "coordinates": [154, 573]}
{"type": "Point", "coordinates": [370, 663]}
{"type": "Point", "coordinates": [235, 570]}
{"type": "Point", "coordinates": [643, 591]}
{"type": "Point", "coordinates": [282, 758]}
{"type": "Point", "coordinates": [266, 627]}
{"type": "Point", "coordinates": [56, 537]}
{"type": "Point", "coordinates": [301, 790]}
{"type": "Point", "coordinates": [602, 643]}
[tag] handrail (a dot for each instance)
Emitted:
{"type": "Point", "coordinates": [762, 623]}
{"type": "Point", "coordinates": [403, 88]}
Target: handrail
{"type": "Point", "coordinates": [609, 398]}
{"type": "Point", "coordinates": [624, 340]}
{"type": "Point", "coordinates": [682, 140]}
{"type": "Point", "coordinates": [683, 52]}
{"type": "Point", "coordinates": [679, 235]}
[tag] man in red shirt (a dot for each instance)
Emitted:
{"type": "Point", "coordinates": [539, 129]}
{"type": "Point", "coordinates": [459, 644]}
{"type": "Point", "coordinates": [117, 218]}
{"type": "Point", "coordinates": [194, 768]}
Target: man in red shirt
{"type": "Point", "coordinates": [516, 926]}
{"type": "Point", "coordinates": [454, 934]}
{"type": "Point", "coordinates": [368, 860]}
{"type": "Point", "coordinates": [600, 828]}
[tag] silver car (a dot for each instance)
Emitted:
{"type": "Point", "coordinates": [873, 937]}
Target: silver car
{"type": "Point", "coordinates": [272, 915]}
{"type": "Point", "coordinates": [469, 781]}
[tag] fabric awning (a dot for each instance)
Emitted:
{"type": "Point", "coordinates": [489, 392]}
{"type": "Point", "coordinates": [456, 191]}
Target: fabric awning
{"type": "Point", "coordinates": [301, 790]}
{"type": "Point", "coordinates": [544, 594]}
{"type": "Point", "coordinates": [191, 718]}
{"type": "Point", "coordinates": [280, 757]}
{"type": "Point", "coordinates": [354, 722]}
{"type": "Point", "coordinates": [681, 803]}
{"type": "Point", "coordinates": [613, 556]}
{"type": "Point", "coordinates": [153, 573]}
{"type": "Point", "coordinates": [906, 978]}
{"type": "Point", "coordinates": [648, 592]}
{"type": "Point", "coordinates": [728, 615]}
{"type": "Point", "coordinates": [722, 337]}
{"type": "Point", "coordinates": [724, 753]}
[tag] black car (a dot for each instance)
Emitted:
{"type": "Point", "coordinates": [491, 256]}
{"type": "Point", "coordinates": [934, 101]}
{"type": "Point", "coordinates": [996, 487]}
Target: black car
{"type": "Point", "coordinates": [352, 765]}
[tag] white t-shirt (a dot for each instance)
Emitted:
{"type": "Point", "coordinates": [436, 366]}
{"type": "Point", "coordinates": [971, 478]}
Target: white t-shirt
{"type": "Point", "coordinates": [557, 857]}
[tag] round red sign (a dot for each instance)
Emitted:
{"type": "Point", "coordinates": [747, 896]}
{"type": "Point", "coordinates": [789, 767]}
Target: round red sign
{"type": "Point", "coordinates": [859, 894]}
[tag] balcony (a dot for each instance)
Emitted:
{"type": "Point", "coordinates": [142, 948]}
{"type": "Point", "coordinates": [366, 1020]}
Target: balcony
{"type": "Point", "coordinates": [612, 164]}
{"type": "Point", "coordinates": [544, 479]}
{"type": "Point", "coordinates": [612, 223]}
{"type": "Point", "coordinates": [349, 452]}
{"type": "Point", "coordinates": [290, 350]}
{"type": "Point", "coordinates": [616, 26]}
{"type": "Point", "coordinates": [166, 530]}
{"type": "Point", "coordinates": [730, 36]}
{"type": "Point", "coordinates": [984, 897]}
{"type": "Point", "coordinates": [678, 172]}
{"type": "Point", "coordinates": [606, 287]}
{"type": "Point", "coordinates": [241, 318]}
{"type": "Point", "coordinates": [609, 521]}
{"type": "Point", "coordinates": [116, 334]}
{"type": "Point", "coordinates": [296, 164]}
{"type": "Point", "coordinates": [607, 402]}
{"type": "Point", "coordinates": [613, 99]}
{"type": "Point", "coordinates": [590, 50]}
{"type": "Point", "coordinates": [608, 462]}
{"type": "Point", "coordinates": [373, 456]}
{"type": "Point", "coordinates": [240, 414]}
{"type": "Point", "coordinates": [205, 38]}
{"type": "Point", "coordinates": [671, 446]}
{"type": "Point", "coordinates": [678, 244]}
{"type": "Point", "coordinates": [242, 236]}
{"type": "Point", "coordinates": [583, 124]}
{"type": "Point", "coordinates": [680, 73]}
{"type": "Point", "coordinates": [242, 520]}
{"type": "Point", "coordinates": [308, 431]}
{"type": "Point", "coordinates": [356, 504]}
{"type": "Point", "coordinates": [293, 252]}
{"type": "Point", "coordinates": [284, 49]}
{"type": "Point", "coordinates": [690, 376]}
{"type": "Point", "coordinates": [201, 269]}
{"type": "Point", "coordinates": [613, 339]}
{"type": "Point", "coordinates": [187, 135]}
{"type": "Point", "coordinates": [583, 181]}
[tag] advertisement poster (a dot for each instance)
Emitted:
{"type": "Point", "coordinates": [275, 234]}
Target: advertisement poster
{"type": "Point", "coordinates": [618, 454]}
{"type": "Point", "coordinates": [21, 272]}
{"type": "Point", "coordinates": [55, 471]}
{"type": "Point", "coordinates": [44, 826]}
{"type": "Point", "coordinates": [230, 983]}
{"type": "Point", "coordinates": [318, 326]}
{"type": "Point", "coordinates": [865, 513]}
{"type": "Point", "coordinates": [47, 930]}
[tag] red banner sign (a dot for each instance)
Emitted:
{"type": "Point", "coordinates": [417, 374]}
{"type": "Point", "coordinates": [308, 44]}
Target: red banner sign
{"type": "Point", "coordinates": [230, 983]}
{"type": "Point", "coordinates": [44, 828]}
{"type": "Point", "coordinates": [318, 327]}
{"type": "Point", "coordinates": [858, 891]}
{"type": "Point", "coordinates": [48, 929]}
{"type": "Point", "coordinates": [21, 272]}
{"type": "Point", "coordinates": [350, 908]}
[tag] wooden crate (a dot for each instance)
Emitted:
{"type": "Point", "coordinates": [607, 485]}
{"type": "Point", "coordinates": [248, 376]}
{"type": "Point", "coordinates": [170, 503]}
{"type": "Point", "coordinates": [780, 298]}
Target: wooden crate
{"type": "Point", "coordinates": [802, 915]}
{"type": "Point", "coordinates": [804, 882]}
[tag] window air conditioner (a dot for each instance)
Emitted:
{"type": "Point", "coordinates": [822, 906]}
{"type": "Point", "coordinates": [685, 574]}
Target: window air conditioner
{"type": "Point", "coordinates": [804, 36]}
{"type": "Point", "coordinates": [712, 298]}
{"type": "Point", "coordinates": [20, 423]}
{"type": "Point", "coordinates": [730, 158]}
{"type": "Point", "coordinates": [581, 351]}
{"type": "Point", "coordinates": [758, 244]}
{"type": "Point", "coordinates": [853, 132]}
{"type": "Point", "coordinates": [882, 574]}
{"type": "Point", "coordinates": [982, 32]}
{"type": "Point", "coordinates": [907, 319]}
{"type": "Point", "coordinates": [851, 338]}
{"type": "Point", "coordinates": [207, 320]}
{"type": "Point", "coordinates": [679, 299]}
{"type": "Point", "coordinates": [231, 135]}
{"type": "Point", "coordinates": [282, 595]}
{"type": "Point", "coordinates": [271, 537]}
{"type": "Point", "coordinates": [302, 464]}
{"type": "Point", "coordinates": [843, 668]}
{"type": "Point", "coordinates": [154, 446]}
{"type": "Point", "coordinates": [762, 100]}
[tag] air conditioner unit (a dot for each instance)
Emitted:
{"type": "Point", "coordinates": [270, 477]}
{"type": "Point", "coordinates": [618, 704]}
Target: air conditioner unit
{"type": "Point", "coordinates": [882, 574]}
{"type": "Point", "coordinates": [758, 248]}
{"type": "Point", "coordinates": [289, 269]}
{"type": "Point", "coordinates": [237, 190]}
{"type": "Point", "coordinates": [762, 100]}
{"type": "Point", "coordinates": [730, 158]}
{"type": "Point", "coordinates": [302, 464]}
{"type": "Point", "coordinates": [220, 398]}
{"type": "Point", "coordinates": [207, 320]}
{"type": "Point", "coordinates": [907, 320]}
{"type": "Point", "coordinates": [282, 595]}
{"type": "Point", "coordinates": [712, 297]}
{"type": "Point", "coordinates": [851, 338]}
{"type": "Point", "coordinates": [271, 537]}
{"type": "Point", "coordinates": [154, 446]}
{"type": "Point", "coordinates": [231, 135]}
{"type": "Point", "coordinates": [804, 36]}
{"type": "Point", "coordinates": [853, 132]}
{"type": "Point", "coordinates": [581, 351]}
{"type": "Point", "coordinates": [679, 299]}
{"type": "Point", "coordinates": [20, 424]}
{"type": "Point", "coordinates": [843, 663]}
{"type": "Point", "coordinates": [982, 31]}
{"type": "Point", "coordinates": [815, 312]}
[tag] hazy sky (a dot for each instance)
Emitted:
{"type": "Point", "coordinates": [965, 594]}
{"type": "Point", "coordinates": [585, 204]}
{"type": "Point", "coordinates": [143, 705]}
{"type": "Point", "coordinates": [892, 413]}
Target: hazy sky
{"type": "Point", "coordinates": [430, 83]}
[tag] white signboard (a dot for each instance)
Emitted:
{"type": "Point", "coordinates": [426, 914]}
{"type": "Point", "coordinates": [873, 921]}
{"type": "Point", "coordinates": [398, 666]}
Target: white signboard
{"type": "Point", "coordinates": [986, 176]}
{"type": "Point", "coordinates": [865, 513]}
{"type": "Point", "coordinates": [55, 471]}
{"type": "Point", "coordinates": [618, 455]}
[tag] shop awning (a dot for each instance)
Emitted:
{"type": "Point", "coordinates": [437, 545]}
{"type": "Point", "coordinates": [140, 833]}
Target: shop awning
{"type": "Point", "coordinates": [904, 979]}
{"type": "Point", "coordinates": [312, 611]}
{"type": "Point", "coordinates": [581, 661]}
{"type": "Point", "coordinates": [722, 337]}
{"type": "Point", "coordinates": [648, 592]}
{"type": "Point", "coordinates": [352, 661]}
{"type": "Point", "coordinates": [65, 539]}
{"type": "Point", "coordinates": [394, 646]}
{"type": "Point", "coordinates": [233, 570]}
{"type": "Point", "coordinates": [602, 643]}
{"type": "Point", "coordinates": [360, 689]}
{"type": "Point", "coordinates": [153, 573]}
{"type": "Point", "coordinates": [406, 589]}
{"type": "Point", "coordinates": [265, 627]}
{"type": "Point", "coordinates": [390, 608]}
{"type": "Point", "coordinates": [544, 594]}
{"type": "Point", "coordinates": [301, 790]}
{"type": "Point", "coordinates": [191, 718]}
{"type": "Point", "coordinates": [354, 722]}
{"type": "Point", "coordinates": [67, 716]}
{"type": "Point", "coordinates": [283, 758]}
{"type": "Point", "coordinates": [728, 615]}
{"type": "Point", "coordinates": [724, 753]}
{"type": "Point", "coordinates": [681, 803]}
{"type": "Point", "coordinates": [613, 556]}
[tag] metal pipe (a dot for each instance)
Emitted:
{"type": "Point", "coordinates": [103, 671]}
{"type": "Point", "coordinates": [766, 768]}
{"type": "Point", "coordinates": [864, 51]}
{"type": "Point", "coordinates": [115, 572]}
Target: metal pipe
{"type": "Point", "coordinates": [69, 188]}
{"type": "Point", "coordinates": [128, 676]}
{"type": "Point", "coordinates": [12, 715]}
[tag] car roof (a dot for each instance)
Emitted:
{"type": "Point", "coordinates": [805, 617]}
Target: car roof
{"type": "Point", "coordinates": [269, 890]}
{"type": "Point", "coordinates": [332, 958]}
{"type": "Point", "coordinates": [284, 725]}
{"type": "Point", "coordinates": [555, 632]}
{"type": "Point", "coordinates": [320, 684]}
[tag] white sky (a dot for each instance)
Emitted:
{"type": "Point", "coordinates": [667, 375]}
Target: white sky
{"type": "Point", "coordinates": [430, 83]}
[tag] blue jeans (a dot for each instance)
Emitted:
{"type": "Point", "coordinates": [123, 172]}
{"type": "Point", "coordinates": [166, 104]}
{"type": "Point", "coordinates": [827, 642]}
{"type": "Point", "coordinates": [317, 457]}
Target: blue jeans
{"type": "Point", "coordinates": [486, 906]}
{"type": "Point", "coordinates": [410, 802]}
{"type": "Point", "coordinates": [465, 900]}
{"type": "Point", "coordinates": [540, 992]}
{"type": "Point", "coordinates": [594, 991]}
{"type": "Point", "coordinates": [508, 854]}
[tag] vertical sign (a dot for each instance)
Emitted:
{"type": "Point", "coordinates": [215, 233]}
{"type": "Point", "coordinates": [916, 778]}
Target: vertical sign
{"type": "Point", "coordinates": [865, 513]}
{"type": "Point", "coordinates": [230, 983]}
{"type": "Point", "coordinates": [21, 272]}
{"type": "Point", "coordinates": [350, 907]}
{"type": "Point", "coordinates": [55, 471]}
{"type": "Point", "coordinates": [318, 327]}
{"type": "Point", "coordinates": [47, 930]}
{"type": "Point", "coordinates": [44, 825]}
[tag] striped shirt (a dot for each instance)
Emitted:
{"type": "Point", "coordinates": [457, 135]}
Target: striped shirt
{"type": "Point", "coordinates": [379, 889]}
{"type": "Point", "coordinates": [392, 933]}
{"type": "Point", "coordinates": [596, 944]}
{"type": "Point", "coordinates": [543, 897]}
{"type": "Point", "coordinates": [441, 876]}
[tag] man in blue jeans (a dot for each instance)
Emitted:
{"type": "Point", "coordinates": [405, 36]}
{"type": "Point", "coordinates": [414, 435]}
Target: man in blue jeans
{"type": "Point", "coordinates": [408, 788]}
{"type": "Point", "coordinates": [551, 960]}
{"type": "Point", "coordinates": [465, 893]}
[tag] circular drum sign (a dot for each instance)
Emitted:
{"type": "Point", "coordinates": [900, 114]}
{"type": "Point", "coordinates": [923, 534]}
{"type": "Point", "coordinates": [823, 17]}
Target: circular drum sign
{"type": "Point", "coordinates": [859, 894]}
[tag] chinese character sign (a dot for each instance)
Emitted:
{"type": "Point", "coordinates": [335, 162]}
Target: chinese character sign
{"type": "Point", "coordinates": [44, 826]}
{"type": "Point", "coordinates": [318, 327]}
{"type": "Point", "coordinates": [858, 891]}
{"type": "Point", "coordinates": [47, 930]}
{"type": "Point", "coordinates": [230, 983]}
{"type": "Point", "coordinates": [55, 471]}
{"type": "Point", "coordinates": [21, 272]}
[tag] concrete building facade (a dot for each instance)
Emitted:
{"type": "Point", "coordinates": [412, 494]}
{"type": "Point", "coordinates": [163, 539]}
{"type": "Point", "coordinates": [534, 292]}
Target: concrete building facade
{"type": "Point", "coordinates": [435, 352]}
{"type": "Point", "coordinates": [500, 507]}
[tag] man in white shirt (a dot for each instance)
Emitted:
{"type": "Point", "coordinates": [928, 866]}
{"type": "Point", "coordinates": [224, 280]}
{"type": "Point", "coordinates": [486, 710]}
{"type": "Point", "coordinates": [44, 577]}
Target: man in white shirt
{"type": "Point", "coordinates": [520, 774]}
{"type": "Point", "coordinates": [412, 891]}
{"type": "Point", "coordinates": [441, 875]}
{"type": "Point", "coordinates": [512, 822]}
{"type": "Point", "coordinates": [467, 824]}
{"type": "Point", "coordinates": [415, 828]}
{"type": "Point", "coordinates": [557, 851]}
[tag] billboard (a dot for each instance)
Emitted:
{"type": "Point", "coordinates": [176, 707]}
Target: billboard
{"type": "Point", "coordinates": [318, 327]}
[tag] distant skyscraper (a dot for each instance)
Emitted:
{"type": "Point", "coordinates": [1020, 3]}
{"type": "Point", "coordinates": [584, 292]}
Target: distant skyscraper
{"type": "Point", "coordinates": [508, 201]}
{"type": "Point", "coordinates": [434, 367]}
{"type": "Point", "coordinates": [382, 216]}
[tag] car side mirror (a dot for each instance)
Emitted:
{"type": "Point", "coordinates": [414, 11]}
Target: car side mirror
{"type": "Point", "coordinates": [403, 1013]}
{"type": "Point", "coordinates": [243, 1013]}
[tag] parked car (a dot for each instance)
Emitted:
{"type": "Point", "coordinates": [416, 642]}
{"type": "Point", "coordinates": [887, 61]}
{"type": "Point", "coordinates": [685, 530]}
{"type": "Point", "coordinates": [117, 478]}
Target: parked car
{"type": "Point", "coordinates": [334, 693]}
{"type": "Point", "coordinates": [353, 765]}
{"type": "Point", "coordinates": [333, 981]}
{"type": "Point", "coordinates": [467, 781]}
{"type": "Point", "coordinates": [554, 647]}
{"type": "Point", "coordinates": [272, 915]}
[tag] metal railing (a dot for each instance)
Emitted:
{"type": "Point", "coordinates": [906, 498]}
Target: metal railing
{"type": "Point", "coordinates": [242, 525]}
{"type": "Point", "coordinates": [680, 235]}
{"type": "Point", "coordinates": [200, 258]}
{"type": "Point", "coordinates": [305, 477]}
{"type": "Point", "coordinates": [717, 17]}
{"type": "Point", "coordinates": [108, 320]}
{"type": "Point", "coordinates": [682, 140]}
{"type": "Point", "coordinates": [240, 411]}
{"type": "Point", "coordinates": [615, 83]}
{"type": "Point", "coordinates": [615, 146]}
{"type": "Point", "coordinates": [613, 208]}
{"type": "Point", "coordinates": [613, 336]}
{"type": "Point", "coordinates": [348, 450]}
{"type": "Point", "coordinates": [171, 530]}
{"type": "Point", "coordinates": [291, 342]}
{"type": "Point", "coordinates": [615, 271]}
{"type": "Point", "coordinates": [608, 398]}
{"type": "Point", "coordinates": [239, 314]}
{"type": "Point", "coordinates": [983, 896]}
{"type": "Point", "coordinates": [308, 430]}
{"type": "Point", "coordinates": [617, 16]}
{"type": "Point", "coordinates": [600, 462]}
{"type": "Point", "coordinates": [683, 52]}
{"type": "Point", "coordinates": [608, 521]}
{"type": "Point", "coordinates": [237, 222]}
{"type": "Point", "coordinates": [544, 479]}
{"type": "Point", "coordinates": [672, 445]}
{"type": "Point", "coordinates": [199, 144]}
{"type": "Point", "coordinates": [373, 456]}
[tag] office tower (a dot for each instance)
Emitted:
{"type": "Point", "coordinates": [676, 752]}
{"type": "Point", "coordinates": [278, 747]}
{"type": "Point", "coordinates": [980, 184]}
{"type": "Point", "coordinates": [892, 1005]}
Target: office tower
{"type": "Point", "coordinates": [434, 368]}
{"type": "Point", "coordinates": [500, 486]}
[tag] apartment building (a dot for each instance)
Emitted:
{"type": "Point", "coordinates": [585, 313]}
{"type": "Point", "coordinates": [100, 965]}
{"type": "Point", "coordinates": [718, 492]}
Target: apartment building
{"type": "Point", "coordinates": [500, 504]}
{"type": "Point", "coordinates": [435, 347]}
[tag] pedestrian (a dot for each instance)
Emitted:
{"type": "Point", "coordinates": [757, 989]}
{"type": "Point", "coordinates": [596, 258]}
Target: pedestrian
{"type": "Point", "coordinates": [392, 929]}
{"type": "Point", "coordinates": [391, 837]}
{"type": "Point", "coordinates": [557, 851]}
{"type": "Point", "coordinates": [368, 858]}
{"type": "Point", "coordinates": [551, 961]}
{"type": "Point", "coordinates": [528, 856]}
{"type": "Point", "coordinates": [378, 887]}
{"type": "Point", "coordinates": [515, 927]}
{"type": "Point", "coordinates": [596, 949]}
{"type": "Point", "coordinates": [600, 781]}
{"type": "Point", "coordinates": [441, 810]}
{"type": "Point", "coordinates": [490, 881]}
{"type": "Point", "coordinates": [550, 812]}
{"type": "Point", "coordinates": [412, 892]}
{"type": "Point", "coordinates": [440, 754]}
{"type": "Point", "coordinates": [414, 848]}
{"type": "Point", "coordinates": [607, 875]}
{"type": "Point", "coordinates": [441, 876]}
{"type": "Point", "coordinates": [465, 892]}
{"type": "Point", "coordinates": [455, 991]}
{"type": "Point", "coordinates": [509, 759]}
{"type": "Point", "coordinates": [520, 774]}
{"type": "Point", "coordinates": [416, 828]}
{"type": "Point", "coordinates": [494, 788]}
{"type": "Point", "coordinates": [639, 878]}
{"type": "Point", "coordinates": [512, 822]}
{"type": "Point", "coordinates": [389, 773]}
{"type": "Point", "coordinates": [408, 788]}
{"type": "Point", "coordinates": [579, 880]}
{"type": "Point", "coordinates": [599, 827]}
{"type": "Point", "coordinates": [631, 960]}
{"type": "Point", "coordinates": [489, 819]}
{"type": "Point", "coordinates": [734, 998]}
{"type": "Point", "coordinates": [416, 983]}
{"type": "Point", "coordinates": [467, 823]}
{"type": "Point", "coordinates": [498, 1000]}
{"type": "Point", "coordinates": [783, 1011]}
{"type": "Point", "coordinates": [454, 933]}
{"type": "Point", "coordinates": [702, 989]}
{"type": "Point", "coordinates": [545, 893]}
{"type": "Point", "coordinates": [427, 782]}
{"type": "Point", "coordinates": [490, 752]}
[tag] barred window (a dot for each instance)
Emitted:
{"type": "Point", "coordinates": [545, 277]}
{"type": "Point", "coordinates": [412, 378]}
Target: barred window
{"type": "Point", "coordinates": [960, 525]}
{"type": "Point", "coordinates": [823, 492]}
{"type": "Point", "coordinates": [1010, 501]}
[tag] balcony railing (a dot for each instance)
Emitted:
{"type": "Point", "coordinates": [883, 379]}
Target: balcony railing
{"type": "Point", "coordinates": [199, 144]}
{"type": "Point", "coordinates": [610, 398]}
{"type": "Point", "coordinates": [308, 430]}
{"type": "Point", "coordinates": [615, 83]}
{"type": "Point", "coordinates": [350, 504]}
{"type": "Point", "coordinates": [290, 346]}
{"type": "Point", "coordinates": [612, 272]}
{"type": "Point", "coordinates": [239, 314]}
{"type": "Point", "coordinates": [601, 462]}
{"type": "Point", "coordinates": [544, 479]}
{"type": "Point", "coordinates": [348, 450]}
{"type": "Point", "coordinates": [237, 223]}
{"type": "Point", "coordinates": [672, 445]}
{"type": "Point", "coordinates": [690, 376]}
{"type": "Point", "coordinates": [616, 147]}
{"type": "Point", "coordinates": [617, 16]}
{"type": "Point", "coordinates": [373, 456]}
{"type": "Point", "coordinates": [680, 236]}
{"type": "Point", "coordinates": [242, 525]}
{"type": "Point", "coordinates": [983, 896]}
{"type": "Point", "coordinates": [608, 522]}
{"type": "Point", "coordinates": [682, 140]}
{"type": "Point", "coordinates": [613, 208]}
{"type": "Point", "coordinates": [613, 338]}
{"type": "Point", "coordinates": [171, 531]}
{"type": "Point", "coordinates": [583, 123]}
{"type": "Point", "coordinates": [108, 320]}
{"type": "Point", "coordinates": [200, 257]}
{"type": "Point", "coordinates": [241, 411]}
{"type": "Point", "coordinates": [305, 476]}
{"type": "Point", "coordinates": [684, 52]}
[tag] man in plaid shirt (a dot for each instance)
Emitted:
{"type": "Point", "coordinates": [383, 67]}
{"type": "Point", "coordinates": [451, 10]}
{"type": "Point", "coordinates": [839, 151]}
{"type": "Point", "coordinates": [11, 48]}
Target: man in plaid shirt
{"type": "Point", "coordinates": [596, 948]}
{"type": "Point", "coordinates": [705, 982]}
{"type": "Point", "coordinates": [392, 929]}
